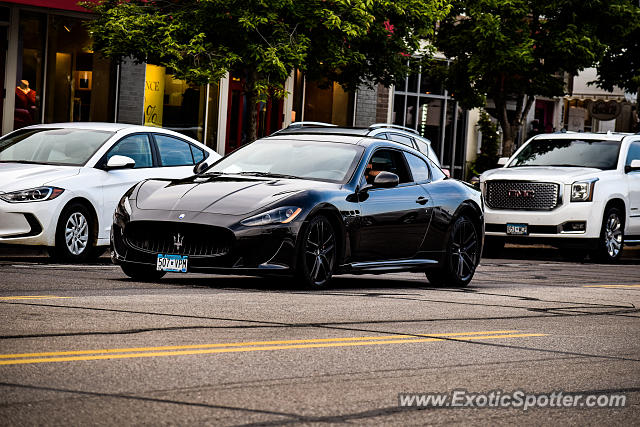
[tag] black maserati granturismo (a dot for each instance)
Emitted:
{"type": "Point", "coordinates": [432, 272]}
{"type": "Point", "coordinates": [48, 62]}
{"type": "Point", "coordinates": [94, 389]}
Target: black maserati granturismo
{"type": "Point", "coordinates": [305, 205]}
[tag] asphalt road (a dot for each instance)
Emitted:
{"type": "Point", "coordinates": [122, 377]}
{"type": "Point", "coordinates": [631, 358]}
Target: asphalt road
{"type": "Point", "coordinates": [85, 345]}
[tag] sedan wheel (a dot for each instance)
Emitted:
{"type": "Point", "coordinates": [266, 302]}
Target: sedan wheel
{"type": "Point", "coordinates": [318, 257]}
{"type": "Point", "coordinates": [462, 256]}
{"type": "Point", "coordinates": [75, 236]}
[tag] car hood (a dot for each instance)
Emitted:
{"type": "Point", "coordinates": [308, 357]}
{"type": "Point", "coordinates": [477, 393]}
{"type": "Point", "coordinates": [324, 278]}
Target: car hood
{"type": "Point", "coordinates": [219, 195]}
{"type": "Point", "coordinates": [20, 176]}
{"type": "Point", "coordinates": [565, 175]}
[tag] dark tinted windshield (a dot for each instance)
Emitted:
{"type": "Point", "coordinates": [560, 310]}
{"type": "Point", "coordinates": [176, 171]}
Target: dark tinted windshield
{"type": "Point", "coordinates": [323, 161]}
{"type": "Point", "coordinates": [72, 147]}
{"type": "Point", "coordinates": [569, 152]}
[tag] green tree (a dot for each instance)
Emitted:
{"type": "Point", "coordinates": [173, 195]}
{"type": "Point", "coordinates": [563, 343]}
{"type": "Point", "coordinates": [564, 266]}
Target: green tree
{"type": "Point", "coordinates": [620, 64]}
{"type": "Point", "coordinates": [511, 51]}
{"type": "Point", "coordinates": [352, 42]}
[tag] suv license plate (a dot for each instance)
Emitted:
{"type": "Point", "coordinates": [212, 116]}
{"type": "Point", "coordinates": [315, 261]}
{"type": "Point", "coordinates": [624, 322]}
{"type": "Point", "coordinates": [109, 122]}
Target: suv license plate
{"type": "Point", "coordinates": [517, 229]}
{"type": "Point", "coordinates": [175, 263]}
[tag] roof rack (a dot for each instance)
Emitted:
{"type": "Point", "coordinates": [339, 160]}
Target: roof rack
{"type": "Point", "coordinates": [314, 124]}
{"type": "Point", "coordinates": [390, 125]}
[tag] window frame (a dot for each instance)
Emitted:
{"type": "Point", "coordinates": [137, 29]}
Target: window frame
{"type": "Point", "coordinates": [412, 182]}
{"type": "Point", "coordinates": [102, 163]}
{"type": "Point", "coordinates": [429, 172]}
{"type": "Point", "coordinates": [159, 158]}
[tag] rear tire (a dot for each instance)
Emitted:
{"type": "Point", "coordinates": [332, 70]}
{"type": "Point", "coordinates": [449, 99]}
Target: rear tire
{"type": "Point", "coordinates": [318, 253]}
{"type": "Point", "coordinates": [611, 238]}
{"type": "Point", "coordinates": [462, 255]}
{"type": "Point", "coordinates": [142, 273]}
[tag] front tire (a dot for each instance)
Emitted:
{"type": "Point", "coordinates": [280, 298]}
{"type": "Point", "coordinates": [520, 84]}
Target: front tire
{"type": "Point", "coordinates": [611, 239]}
{"type": "Point", "coordinates": [462, 255]}
{"type": "Point", "coordinates": [75, 235]}
{"type": "Point", "coordinates": [142, 273]}
{"type": "Point", "coordinates": [318, 253]}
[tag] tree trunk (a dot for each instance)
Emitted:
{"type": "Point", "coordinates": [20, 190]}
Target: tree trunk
{"type": "Point", "coordinates": [511, 128]}
{"type": "Point", "coordinates": [252, 100]}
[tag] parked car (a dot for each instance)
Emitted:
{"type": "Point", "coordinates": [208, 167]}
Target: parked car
{"type": "Point", "coordinates": [60, 183]}
{"type": "Point", "coordinates": [573, 190]}
{"type": "Point", "coordinates": [403, 135]}
{"type": "Point", "coordinates": [305, 204]}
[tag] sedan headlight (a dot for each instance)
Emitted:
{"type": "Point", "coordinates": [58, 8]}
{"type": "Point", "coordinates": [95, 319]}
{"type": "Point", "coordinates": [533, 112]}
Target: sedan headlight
{"type": "Point", "coordinates": [281, 215]}
{"type": "Point", "coordinates": [582, 191]}
{"type": "Point", "coordinates": [32, 195]}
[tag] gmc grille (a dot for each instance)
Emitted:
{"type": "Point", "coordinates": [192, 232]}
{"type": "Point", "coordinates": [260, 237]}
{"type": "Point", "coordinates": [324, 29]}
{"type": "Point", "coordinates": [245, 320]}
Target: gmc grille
{"type": "Point", "coordinates": [178, 238]}
{"type": "Point", "coordinates": [536, 196]}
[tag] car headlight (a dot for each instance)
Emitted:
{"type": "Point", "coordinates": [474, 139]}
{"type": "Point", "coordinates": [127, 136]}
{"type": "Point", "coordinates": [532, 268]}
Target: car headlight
{"type": "Point", "coordinates": [38, 194]}
{"type": "Point", "coordinates": [282, 215]}
{"type": "Point", "coordinates": [582, 191]}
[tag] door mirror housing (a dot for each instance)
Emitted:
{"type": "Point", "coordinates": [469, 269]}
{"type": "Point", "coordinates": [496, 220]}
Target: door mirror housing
{"type": "Point", "coordinates": [120, 162]}
{"type": "Point", "coordinates": [200, 167]}
{"type": "Point", "coordinates": [502, 161]}
{"type": "Point", "coordinates": [386, 180]}
{"type": "Point", "coordinates": [634, 166]}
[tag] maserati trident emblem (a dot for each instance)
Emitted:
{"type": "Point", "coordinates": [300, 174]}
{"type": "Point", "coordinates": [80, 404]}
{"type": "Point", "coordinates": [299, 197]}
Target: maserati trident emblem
{"type": "Point", "coordinates": [181, 216]}
{"type": "Point", "coordinates": [177, 241]}
{"type": "Point", "coordinates": [525, 194]}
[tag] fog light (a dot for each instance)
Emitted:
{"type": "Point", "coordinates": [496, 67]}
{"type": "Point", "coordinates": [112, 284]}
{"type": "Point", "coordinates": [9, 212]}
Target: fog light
{"type": "Point", "coordinates": [575, 226]}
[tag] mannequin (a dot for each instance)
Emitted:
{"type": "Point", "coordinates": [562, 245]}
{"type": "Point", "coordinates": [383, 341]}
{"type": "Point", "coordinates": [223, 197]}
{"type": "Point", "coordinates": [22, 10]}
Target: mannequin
{"type": "Point", "coordinates": [25, 109]}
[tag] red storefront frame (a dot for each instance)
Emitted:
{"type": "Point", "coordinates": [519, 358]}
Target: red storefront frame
{"type": "Point", "coordinates": [51, 4]}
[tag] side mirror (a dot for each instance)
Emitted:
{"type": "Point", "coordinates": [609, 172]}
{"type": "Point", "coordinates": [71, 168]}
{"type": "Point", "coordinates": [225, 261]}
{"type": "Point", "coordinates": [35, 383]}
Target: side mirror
{"type": "Point", "coordinates": [634, 166]}
{"type": "Point", "coordinates": [502, 161]}
{"type": "Point", "coordinates": [120, 162]}
{"type": "Point", "coordinates": [386, 180]}
{"type": "Point", "coordinates": [200, 167]}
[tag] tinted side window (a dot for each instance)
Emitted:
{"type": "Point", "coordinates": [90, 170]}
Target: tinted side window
{"type": "Point", "coordinates": [382, 135]}
{"type": "Point", "coordinates": [419, 168]}
{"type": "Point", "coordinates": [404, 140]}
{"type": "Point", "coordinates": [388, 161]}
{"type": "Point", "coordinates": [136, 147]}
{"type": "Point", "coordinates": [634, 152]}
{"type": "Point", "coordinates": [173, 151]}
{"type": "Point", "coordinates": [198, 154]}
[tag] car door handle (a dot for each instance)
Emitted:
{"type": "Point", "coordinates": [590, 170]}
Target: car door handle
{"type": "Point", "coordinates": [422, 200]}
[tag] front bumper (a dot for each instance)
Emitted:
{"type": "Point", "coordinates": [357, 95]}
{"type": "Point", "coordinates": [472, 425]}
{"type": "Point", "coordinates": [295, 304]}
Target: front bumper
{"type": "Point", "coordinates": [547, 224]}
{"type": "Point", "coordinates": [29, 223]}
{"type": "Point", "coordinates": [255, 250]}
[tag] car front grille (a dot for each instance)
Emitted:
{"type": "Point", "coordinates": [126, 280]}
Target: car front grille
{"type": "Point", "coordinates": [521, 195]}
{"type": "Point", "coordinates": [178, 238]}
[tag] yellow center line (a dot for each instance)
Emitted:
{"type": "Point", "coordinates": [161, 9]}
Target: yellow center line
{"type": "Point", "coordinates": [612, 286]}
{"type": "Point", "coordinates": [244, 344]}
{"type": "Point", "coordinates": [256, 348]}
{"type": "Point", "coordinates": [31, 297]}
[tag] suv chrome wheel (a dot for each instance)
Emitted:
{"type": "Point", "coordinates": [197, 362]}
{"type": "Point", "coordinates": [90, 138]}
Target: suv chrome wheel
{"type": "Point", "coordinates": [613, 235]}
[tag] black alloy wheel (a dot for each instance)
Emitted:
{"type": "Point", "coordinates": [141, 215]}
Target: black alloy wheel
{"type": "Point", "coordinates": [142, 273]}
{"type": "Point", "coordinates": [611, 239]}
{"type": "Point", "coordinates": [462, 255]}
{"type": "Point", "coordinates": [318, 253]}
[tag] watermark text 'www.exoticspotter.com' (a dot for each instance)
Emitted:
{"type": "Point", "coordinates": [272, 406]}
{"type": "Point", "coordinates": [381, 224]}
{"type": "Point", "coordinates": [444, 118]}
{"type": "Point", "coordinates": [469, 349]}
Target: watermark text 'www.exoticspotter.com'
{"type": "Point", "coordinates": [517, 399]}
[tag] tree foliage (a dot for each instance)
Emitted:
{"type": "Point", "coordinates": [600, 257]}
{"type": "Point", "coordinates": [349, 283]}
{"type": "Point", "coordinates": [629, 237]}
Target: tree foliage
{"type": "Point", "coordinates": [352, 42]}
{"type": "Point", "coordinates": [514, 50]}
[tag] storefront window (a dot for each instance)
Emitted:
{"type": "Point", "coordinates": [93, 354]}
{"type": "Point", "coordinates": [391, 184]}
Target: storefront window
{"type": "Point", "coordinates": [78, 82]}
{"type": "Point", "coordinates": [28, 91]}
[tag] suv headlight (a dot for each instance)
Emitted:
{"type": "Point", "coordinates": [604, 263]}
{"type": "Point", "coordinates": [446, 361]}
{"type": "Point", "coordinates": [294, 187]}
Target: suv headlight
{"type": "Point", "coordinates": [582, 191]}
{"type": "Point", "coordinates": [38, 194]}
{"type": "Point", "coordinates": [282, 215]}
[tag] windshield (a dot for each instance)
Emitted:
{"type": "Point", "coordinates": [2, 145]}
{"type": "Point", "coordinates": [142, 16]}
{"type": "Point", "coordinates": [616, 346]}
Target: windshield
{"type": "Point", "coordinates": [73, 147]}
{"type": "Point", "coordinates": [569, 152]}
{"type": "Point", "coordinates": [323, 161]}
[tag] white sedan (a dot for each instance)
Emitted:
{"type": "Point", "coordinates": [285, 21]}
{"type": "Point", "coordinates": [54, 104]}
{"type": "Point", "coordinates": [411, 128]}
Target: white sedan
{"type": "Point", "coordinates": [60, 183]}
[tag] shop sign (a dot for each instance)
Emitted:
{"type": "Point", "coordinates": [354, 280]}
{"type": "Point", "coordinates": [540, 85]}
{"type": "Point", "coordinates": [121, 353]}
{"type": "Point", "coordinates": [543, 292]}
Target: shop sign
{"type": "Point", "coordinates": [603, 110]}
{"type": "Point", "coordinates": [154, 95]}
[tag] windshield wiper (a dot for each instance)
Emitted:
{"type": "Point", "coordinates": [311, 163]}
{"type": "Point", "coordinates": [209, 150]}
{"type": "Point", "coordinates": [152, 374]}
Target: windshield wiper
{"type": "Point", "coordinates": [269, 174]}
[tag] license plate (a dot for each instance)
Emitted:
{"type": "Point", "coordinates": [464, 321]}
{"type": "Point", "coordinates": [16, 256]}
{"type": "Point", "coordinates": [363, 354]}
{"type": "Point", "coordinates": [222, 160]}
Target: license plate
{"type": "Point", "coordinates": [175, 263]}
{"type": "Point", "coordinates": [517, 229]}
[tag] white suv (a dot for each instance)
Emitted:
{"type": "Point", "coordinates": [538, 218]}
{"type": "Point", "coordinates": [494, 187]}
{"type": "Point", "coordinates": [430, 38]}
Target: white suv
{"type": "Point", "coordinates": [570, 190]}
